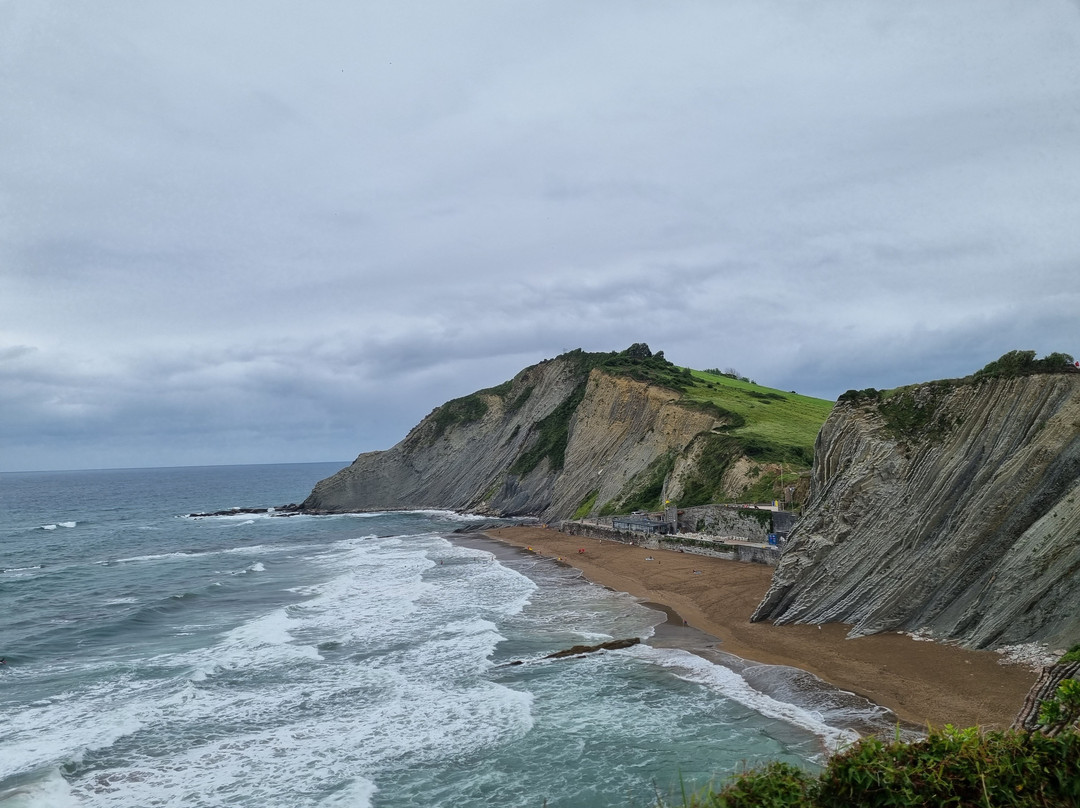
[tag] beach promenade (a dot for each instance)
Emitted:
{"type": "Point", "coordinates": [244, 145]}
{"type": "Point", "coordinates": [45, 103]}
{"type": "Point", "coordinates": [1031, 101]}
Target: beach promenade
{"type": "Point", "coordinates": [922, 682]}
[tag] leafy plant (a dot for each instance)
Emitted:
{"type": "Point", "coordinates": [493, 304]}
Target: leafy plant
{"type": "Point", "coordinates": [1072, 655]}
{"type": "Point", "coordinates": [775, 785]}
{"type": "Point", "coordinates": [1024, 363]}
{"type": "Point", "coordinates": [965, 768]}
{"type": "Point", "coordinates": [1062, 710]}
{"type": "Point", "coordinates": [866, 395]}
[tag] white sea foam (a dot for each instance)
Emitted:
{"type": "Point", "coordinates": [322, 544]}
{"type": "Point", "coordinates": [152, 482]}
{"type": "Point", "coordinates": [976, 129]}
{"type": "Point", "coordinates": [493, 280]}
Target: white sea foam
{"type": "Point", "coordinates": [256, 567]}
{"type": "Point", "coordinates": [574, 608]}
{"type": "Point", "coordinates": [377, 662]}
{"type": "Point", "coordinates": [152, 557]}
{"type": "Point", "coordinates": [693, 668]}
{"type": "Point", "coordinates": [257, 549]}
{"type": "Point", "coordinates": [410, 691]}
{"type": "Point", "coordinates": [48, 790]}
{"type": "Point", "coordinates": [67, 726]}
{"type": "Point", "coordinates": [67, 524]}
{"type": "Point", "coordinates": [453, 516]}
{"type": "Point", "coordinates": [246, 517]}
{"type": "Point", "coordinates": [48, 527]}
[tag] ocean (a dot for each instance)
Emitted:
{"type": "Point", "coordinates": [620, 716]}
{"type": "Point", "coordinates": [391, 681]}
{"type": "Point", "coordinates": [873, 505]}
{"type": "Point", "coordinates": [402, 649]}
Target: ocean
{"type": "Point", "coordinates": [156, 659]}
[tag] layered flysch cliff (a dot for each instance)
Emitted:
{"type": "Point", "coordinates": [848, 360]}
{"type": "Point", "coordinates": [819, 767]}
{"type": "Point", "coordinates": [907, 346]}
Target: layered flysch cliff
{"type": "Point", "coordinates": [952, 508]}
{"type": "Point", "coordinates": [561, 435]}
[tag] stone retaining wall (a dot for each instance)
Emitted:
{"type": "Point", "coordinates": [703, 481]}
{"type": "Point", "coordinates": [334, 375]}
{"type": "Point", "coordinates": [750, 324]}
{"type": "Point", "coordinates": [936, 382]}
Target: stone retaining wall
{"type": "Point", "coordinates": [726, 520]}
{"type": "Point", "coordinates": [754, 555]}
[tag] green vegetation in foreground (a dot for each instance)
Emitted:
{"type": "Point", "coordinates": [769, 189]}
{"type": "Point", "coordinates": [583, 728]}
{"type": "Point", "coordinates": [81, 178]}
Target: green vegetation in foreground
{"type": "Point", "coordinates": [1072, 655]}
{"type": "Point", "coordinates": [1061, 712]}
{"type": "Point", "coordinates": [963, 768]}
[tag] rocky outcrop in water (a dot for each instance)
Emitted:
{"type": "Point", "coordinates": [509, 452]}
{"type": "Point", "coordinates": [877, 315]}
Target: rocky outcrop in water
{"type": "Point", "coordinates": [580, 650]}
{"type": "Point", "coordinates": [947, 507]}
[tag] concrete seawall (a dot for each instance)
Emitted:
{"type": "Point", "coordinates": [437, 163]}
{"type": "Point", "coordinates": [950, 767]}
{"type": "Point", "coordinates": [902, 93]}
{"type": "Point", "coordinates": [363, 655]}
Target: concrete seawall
{"type": "Point", "coordinates": [731, 548]}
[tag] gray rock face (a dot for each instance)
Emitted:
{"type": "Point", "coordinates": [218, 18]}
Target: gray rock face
{"type": "Point", "coordinates": [967, 525]}
{"type": "Point", "coordinates": [615, 428]}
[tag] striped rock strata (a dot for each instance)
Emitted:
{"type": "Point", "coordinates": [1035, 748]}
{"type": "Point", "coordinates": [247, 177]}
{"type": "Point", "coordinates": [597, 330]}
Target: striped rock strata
{"type": "Point", "coordinates": [962, 520]}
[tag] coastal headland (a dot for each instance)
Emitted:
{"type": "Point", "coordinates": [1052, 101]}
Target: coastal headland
{"type": "Point", "coordinates": [923, 682]}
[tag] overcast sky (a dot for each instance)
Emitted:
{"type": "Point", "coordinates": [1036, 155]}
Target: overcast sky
{"type": "Point", "coordinates": [244, 232]}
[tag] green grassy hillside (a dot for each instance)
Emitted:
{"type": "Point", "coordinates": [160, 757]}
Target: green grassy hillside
{"type": "Point", "coordinates": [786, 422]}
{"type": "Point", "coordinates": [774, 429]}
{"type": "Point", "coordinates": [775, 425]}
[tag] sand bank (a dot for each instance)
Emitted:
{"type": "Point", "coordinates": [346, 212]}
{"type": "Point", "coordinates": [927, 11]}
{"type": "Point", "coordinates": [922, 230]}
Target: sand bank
{"type": "Point", "coordinates": [926, 683]}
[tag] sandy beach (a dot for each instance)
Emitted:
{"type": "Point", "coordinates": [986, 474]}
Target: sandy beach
{"type": "Point", "coordinates": [926, 683]}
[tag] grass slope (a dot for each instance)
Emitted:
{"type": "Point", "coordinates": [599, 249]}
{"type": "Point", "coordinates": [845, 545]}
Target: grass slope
{"type": "Point", "coordinates": [788, 423]}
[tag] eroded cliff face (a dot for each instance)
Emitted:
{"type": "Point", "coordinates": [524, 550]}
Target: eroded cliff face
{"type": "Point", "coordinates": [620, 428]}
{"type": "Point", "coordinates": [956, 512]}
{"type": "Point", "coordinates": [615, 427]}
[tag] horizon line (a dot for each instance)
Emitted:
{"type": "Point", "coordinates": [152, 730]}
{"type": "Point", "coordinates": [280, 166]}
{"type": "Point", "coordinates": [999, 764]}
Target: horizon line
{"type": "Point", "coordinates": [162, 468]}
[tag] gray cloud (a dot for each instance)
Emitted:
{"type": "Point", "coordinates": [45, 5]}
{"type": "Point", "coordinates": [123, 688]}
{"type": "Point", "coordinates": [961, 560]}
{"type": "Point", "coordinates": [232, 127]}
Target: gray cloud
{"type": "Point", "coordinates": [259, 232]}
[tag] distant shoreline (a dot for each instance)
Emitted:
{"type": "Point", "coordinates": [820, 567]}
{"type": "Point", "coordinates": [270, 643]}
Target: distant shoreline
{"type": "Point", "coordinates": [925, 683]}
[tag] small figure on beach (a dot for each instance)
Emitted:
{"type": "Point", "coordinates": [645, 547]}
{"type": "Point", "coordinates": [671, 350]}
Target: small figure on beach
{"type": "Point", "coordinates": [581, 550]}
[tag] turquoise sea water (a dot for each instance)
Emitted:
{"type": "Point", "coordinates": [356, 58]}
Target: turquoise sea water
{"type": "Point", "coordinates": [155, 659]}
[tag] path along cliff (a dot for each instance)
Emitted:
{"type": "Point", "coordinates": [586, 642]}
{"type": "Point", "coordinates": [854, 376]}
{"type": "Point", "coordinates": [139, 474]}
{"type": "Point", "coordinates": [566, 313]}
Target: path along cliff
{"type": "Point", "coordinates": [950, 508]}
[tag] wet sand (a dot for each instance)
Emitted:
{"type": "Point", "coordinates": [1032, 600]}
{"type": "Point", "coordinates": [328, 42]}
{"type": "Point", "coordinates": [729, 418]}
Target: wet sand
{"type": "Point", "coordinates": [926, 683]}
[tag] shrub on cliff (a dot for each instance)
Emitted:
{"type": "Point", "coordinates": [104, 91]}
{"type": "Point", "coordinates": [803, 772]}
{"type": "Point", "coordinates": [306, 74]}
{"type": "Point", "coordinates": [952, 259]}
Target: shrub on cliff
{"type": "Point", "coordinates": [1024, 363]}
{"type": "Point", "coordinates": [865, 396]}
{"type": "Point", "coordinates": [963, 768]}
{"type": "Point", "coordinates": [640, 363]}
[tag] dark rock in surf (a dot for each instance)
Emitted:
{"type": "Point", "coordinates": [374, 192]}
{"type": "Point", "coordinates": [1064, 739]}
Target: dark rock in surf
{"type": "Point", "coordinates": [578, 650]}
